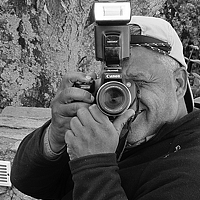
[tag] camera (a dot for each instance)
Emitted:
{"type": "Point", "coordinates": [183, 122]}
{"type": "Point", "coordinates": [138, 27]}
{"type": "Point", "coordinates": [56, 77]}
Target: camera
{"type": "Point", "coordinates": [112, 46]}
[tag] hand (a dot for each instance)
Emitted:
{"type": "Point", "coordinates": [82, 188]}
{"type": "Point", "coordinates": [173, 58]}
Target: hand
{"type": "Point", "coordinates": [65, 105]}
{"type": "Point", "coordinates": [93, 133]}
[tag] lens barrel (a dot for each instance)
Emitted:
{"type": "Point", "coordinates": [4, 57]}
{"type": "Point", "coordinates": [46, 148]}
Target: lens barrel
{"type": "Point", "coordinates": [113, 98]}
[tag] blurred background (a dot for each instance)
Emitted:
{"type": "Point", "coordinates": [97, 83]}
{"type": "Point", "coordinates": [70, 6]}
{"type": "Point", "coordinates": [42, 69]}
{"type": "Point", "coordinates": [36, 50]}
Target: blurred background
{"type": "Point", "coordinates": [42, 40]}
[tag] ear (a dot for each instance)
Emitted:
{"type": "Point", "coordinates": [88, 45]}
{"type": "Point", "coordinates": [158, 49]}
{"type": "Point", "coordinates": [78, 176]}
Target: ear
{"type": "Point", "coordinates": [180, 77]}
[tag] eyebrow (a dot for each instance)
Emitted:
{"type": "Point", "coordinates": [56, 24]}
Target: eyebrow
{"type": "Point", "coordinates": [136, 75]}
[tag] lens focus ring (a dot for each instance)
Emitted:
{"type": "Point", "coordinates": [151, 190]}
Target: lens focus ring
{"type": "Point", "coordinates": [113, 98]}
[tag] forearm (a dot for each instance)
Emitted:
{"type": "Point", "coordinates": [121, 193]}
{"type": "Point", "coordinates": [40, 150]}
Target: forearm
{"type": "Point", "coordinates": [96, 178]}
{"type": "Point", "coordinates": [31, 170]}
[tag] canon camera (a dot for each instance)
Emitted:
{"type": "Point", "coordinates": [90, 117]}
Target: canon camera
{"type": "Point", "coordinates": [112, 46]}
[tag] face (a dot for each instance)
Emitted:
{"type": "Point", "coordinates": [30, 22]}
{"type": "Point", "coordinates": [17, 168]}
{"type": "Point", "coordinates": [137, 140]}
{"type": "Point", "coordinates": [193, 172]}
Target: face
{"type": "Point", "coordinates": [158, 92]}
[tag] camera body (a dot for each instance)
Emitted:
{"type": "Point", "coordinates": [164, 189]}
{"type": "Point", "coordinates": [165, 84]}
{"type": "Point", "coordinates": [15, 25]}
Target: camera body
{"type": "Point", "coordinates": [112, 46]}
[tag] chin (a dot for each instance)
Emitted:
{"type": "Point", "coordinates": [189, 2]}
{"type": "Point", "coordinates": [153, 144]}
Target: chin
{"type": "Point", "coordinates": [140, 129]}
{"type": "Point", "coordinates": [138, 132]}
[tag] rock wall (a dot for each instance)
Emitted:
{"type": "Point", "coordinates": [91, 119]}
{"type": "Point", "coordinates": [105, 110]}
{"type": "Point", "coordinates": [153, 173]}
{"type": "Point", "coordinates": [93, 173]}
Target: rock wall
{"type": "Point", "coordinates": [15, 124]}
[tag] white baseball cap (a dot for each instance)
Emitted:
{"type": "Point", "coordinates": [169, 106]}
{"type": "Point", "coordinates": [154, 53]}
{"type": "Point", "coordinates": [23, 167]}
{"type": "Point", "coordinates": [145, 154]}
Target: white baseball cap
{"type": "Point", "coordinates": [158, 35]}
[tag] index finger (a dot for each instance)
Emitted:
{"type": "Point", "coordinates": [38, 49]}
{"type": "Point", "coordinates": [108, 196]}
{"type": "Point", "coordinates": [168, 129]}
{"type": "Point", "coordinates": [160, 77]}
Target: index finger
{"type": "Point", "coordinates": [72, 94]}
{"type": "Point", "coordinates": [69, 79]}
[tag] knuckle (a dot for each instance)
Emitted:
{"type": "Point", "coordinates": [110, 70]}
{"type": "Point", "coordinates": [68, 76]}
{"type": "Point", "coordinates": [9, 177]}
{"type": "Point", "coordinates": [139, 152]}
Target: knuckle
{"type": "Point", "coordinates": [74, 108]}
{"type": "Point", "coordinates": [67, 77]}
{"type": "Point", "coordinates": [56, 109]}
{"type": "Point", "coordinates": [58, 123]}
{"type": "Point", "coordinates": [81, 111]}
{"type": "Point", "coordinates": [86, 95]}
{"type": "Point", "coordinates": [67, 92]}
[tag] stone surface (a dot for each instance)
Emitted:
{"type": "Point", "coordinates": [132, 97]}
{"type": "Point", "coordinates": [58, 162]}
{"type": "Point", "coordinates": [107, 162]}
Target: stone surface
{"type": "Point", "coordinates": [15, 124]}
{"type": "Point", "coordinates": [29, 112]}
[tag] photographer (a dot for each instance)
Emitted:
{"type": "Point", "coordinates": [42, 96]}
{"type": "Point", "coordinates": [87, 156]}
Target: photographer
{"type": "Point", "coordinates": [82, 154]}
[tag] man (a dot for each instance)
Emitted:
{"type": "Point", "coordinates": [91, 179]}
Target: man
{"type": "Point", "coordinates": [77, 156]}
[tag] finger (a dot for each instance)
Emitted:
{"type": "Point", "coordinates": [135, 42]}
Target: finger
{"type": "Point", "coordinates": [76, 125]}
{"type": "Point", "coordinates": [68, 110]}
{"type": "Point", "coordinates": [122, 120]}
{"type": "Point", "coordinates": [71, 94]}
{"type": "Point", "coordinates": [93, 75]}
{"type": "Point", "coordinates": [69, 136]}
{"type": "Point", "coordinates": [85, 117]}
{"type": "Point", "coordinates": [70, 79]}
{"type": "Point", "coordinates": [69, 140]}
{"type": "Point", "coordinates": [97, 114]}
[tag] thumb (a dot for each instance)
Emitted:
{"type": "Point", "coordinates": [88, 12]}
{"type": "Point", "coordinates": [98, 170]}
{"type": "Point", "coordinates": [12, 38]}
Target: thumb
{"type": "Point", "coordinates": [92, 74]}
{"type": "Point", "coordinates": [122, 120]}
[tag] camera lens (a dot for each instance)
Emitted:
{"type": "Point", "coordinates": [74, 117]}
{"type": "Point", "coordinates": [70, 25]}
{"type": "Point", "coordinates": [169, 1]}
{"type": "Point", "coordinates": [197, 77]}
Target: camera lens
{"type": "Point", "coordinates": [113, 98]}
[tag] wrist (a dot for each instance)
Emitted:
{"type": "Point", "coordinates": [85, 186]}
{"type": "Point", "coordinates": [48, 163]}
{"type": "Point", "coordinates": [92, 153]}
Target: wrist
{"type": "Point", "coordinates": [52, 151]}
{"type": "Point", "coordinates": [55, 145]}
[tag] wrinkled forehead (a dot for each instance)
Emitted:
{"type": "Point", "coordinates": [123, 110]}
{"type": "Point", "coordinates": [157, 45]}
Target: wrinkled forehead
{"type": "Point", "coordinates": [144, 64]}
{"type": "Point", "coordinates": [142, 58]}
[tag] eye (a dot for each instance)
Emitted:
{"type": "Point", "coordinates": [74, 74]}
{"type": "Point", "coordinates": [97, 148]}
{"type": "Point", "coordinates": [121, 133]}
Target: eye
{"type": "Point", "coordinates": [132, 81]}
{"type": "Point", "coordinates": [140, 83]}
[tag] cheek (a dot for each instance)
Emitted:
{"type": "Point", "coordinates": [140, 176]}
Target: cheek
{"type": "Point", "coordinates": [161, 108]}
{"type": "Point", "coordinates": [158, 110]}
{"type": "Point", "coordinates": [158, 103]}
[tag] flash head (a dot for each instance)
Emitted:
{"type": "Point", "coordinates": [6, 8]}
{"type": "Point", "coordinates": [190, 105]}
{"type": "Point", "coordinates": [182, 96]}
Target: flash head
{"type": "Point", "coordinates": [114, 12]}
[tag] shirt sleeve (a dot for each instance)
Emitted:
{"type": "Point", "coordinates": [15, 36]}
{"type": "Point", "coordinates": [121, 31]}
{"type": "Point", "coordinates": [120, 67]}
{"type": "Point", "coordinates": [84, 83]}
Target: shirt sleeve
{"type": "Point", "coordinates": [47, 150]}
{"type": "Point", "coordinates": [96, 178]}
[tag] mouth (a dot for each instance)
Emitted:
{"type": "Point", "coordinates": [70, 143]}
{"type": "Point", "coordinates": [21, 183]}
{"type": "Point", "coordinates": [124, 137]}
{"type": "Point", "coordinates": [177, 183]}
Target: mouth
{"type": "Point", "coordinates": [132, 119]}
{"type": "Point", "coordinates": [128, 124]}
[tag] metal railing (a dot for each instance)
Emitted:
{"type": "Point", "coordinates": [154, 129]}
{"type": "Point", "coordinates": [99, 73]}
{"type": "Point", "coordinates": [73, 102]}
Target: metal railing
{"type": "Point", "coordinates": [194, 77]}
